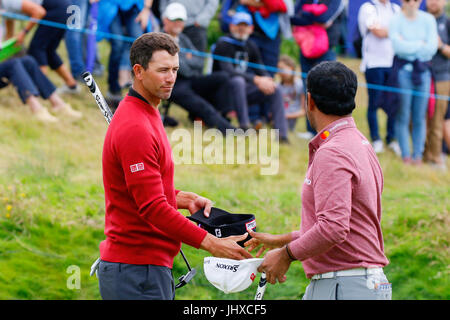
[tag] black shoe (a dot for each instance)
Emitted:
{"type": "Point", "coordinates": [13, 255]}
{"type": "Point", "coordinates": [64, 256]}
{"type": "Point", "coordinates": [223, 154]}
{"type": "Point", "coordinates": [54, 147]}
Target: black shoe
{"type": "Point", "coordinates": [170, 122]}
{"type": "Point", "coordinates": [284, 140]}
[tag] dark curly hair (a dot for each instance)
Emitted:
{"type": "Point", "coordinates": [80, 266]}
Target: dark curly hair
{"type": "Point", "coordinates": [332, 87]}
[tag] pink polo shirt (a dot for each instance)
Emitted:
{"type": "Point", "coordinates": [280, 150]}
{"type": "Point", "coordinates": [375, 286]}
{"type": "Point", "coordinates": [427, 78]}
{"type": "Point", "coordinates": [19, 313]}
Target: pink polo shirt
{"type": "Point", "coordinates": [341, 203]}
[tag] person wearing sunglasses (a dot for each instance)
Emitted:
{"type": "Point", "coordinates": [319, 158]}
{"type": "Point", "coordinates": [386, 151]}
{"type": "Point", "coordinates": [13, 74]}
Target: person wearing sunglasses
{"type": "Point", "coordinates": [415, 41]}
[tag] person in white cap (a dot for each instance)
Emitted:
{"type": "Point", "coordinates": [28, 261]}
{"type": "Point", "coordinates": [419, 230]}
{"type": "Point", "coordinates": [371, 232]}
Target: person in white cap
{"type": "Point", "coordinates": [199, 14]}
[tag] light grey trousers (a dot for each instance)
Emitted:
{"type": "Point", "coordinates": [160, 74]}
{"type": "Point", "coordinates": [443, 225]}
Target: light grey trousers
{"type": "Point", "coordinates": [369, 287]}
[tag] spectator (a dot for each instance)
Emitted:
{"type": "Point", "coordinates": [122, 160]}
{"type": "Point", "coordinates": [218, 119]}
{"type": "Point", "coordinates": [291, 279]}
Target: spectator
{"type": "Point", "coordinates": [292, 90]}
{"type": "Point", "coordinates": [377, 57]}
{"type": "Point", "coordinates": [267, 34]}
{"type": "Point", "coordinates": [125, 77]}
{"type": "Point", "coordinates": [46, 39]}
{"type": "Point", "coordinates": [199, 16]}
{"type": "Point", "coordinates": [128, 18]}
{"type": "Point", "coordinates": [75, 43]}
{"type": "Point", "coordinates": [250, 85]}
{"type": "Point", "coordinates": [30, 83]}
{"type": "Point", "coordinates": [440, 68]}
{"type": "Point", "coordinates": [414, 38]}
{"type": "Point", "coordinates": [328, 20]}
{"type": "Point", "coordinates": [446, 144]}
{"type": "Point", "coordinates": [193, 91]}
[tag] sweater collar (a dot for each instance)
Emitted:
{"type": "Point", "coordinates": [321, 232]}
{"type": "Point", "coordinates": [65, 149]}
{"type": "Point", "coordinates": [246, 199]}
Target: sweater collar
{"type": "Point", "coordinates": [134, 93]}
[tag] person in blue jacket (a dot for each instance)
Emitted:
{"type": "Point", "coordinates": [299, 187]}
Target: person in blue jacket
{"type": "Point", "coordinates": [128, 18]}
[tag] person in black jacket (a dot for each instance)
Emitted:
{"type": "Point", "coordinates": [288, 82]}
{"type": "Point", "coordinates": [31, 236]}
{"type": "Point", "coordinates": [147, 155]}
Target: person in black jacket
{"type": "Point", "coordinates": [203, 96]}
{"type": "Point", "coordinates": [252, 85]}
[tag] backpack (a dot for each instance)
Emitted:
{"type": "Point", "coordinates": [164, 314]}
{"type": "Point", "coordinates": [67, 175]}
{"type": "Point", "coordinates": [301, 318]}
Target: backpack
{"type": "Point", "coordinates": [358, 38]}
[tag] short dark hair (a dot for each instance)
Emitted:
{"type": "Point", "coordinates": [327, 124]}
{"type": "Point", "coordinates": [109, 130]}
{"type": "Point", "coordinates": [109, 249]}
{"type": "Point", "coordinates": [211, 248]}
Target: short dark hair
{"type": "Point", "coordinates": [332, 87]}
{"type": "Point", "coordinates": [143, 47]}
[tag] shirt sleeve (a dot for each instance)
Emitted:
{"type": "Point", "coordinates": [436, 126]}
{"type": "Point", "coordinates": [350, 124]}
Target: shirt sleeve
{"type": "Point", "coordinates": [192, 66]}
{"type": "Point", "coordinates": [138, 145]}
{"type": "Point", "coordinates": [366, 17]}
{"type": "Point", "coordinates": [333, 176]}
{"type": "Point", "coordinates": [224, 49]}
{"type": "Point", "coordinates": [400, 45]}
{"type": "Point", "coordinates": [208, 12]}
{"type": "Point", "coordinates": [12, 5]}
{"type": "Point", "coordinates": [275, 6]}
{"type": "Point", "coordinates": [429, 49]}
{"type": "Point", "coordinates": [256, 58]}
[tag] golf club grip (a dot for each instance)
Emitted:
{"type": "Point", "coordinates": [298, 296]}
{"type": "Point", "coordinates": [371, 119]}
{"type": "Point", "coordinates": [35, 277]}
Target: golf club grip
{"type": "Point", "coordinates": [96, 93]}
{"type": "Point", "coordinates": [261, 287]}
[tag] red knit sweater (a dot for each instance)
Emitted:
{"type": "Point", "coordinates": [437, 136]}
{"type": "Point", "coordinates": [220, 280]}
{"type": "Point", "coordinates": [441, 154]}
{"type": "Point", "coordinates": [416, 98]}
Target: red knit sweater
{"type": "Point", "coordinates": [142, 224]}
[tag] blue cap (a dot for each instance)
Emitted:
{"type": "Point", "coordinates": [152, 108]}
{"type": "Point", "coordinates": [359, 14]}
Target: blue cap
{"type": "Point", "coordinates": [242, 17]}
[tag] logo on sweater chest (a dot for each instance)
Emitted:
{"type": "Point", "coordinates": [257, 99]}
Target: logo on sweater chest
{"type": "Point", "coordinates": [137, 167]}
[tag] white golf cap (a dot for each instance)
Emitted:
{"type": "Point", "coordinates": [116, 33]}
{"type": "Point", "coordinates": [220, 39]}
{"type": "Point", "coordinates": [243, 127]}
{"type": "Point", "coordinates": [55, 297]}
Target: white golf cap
{"type": "Point", "coordinates": [175, 11]}
{"type": "Point", "coordinates": [230, 275]}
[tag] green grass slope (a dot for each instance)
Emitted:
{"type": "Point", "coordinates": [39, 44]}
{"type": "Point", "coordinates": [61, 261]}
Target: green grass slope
{"type": "Point", "coordinates": [52, 207]}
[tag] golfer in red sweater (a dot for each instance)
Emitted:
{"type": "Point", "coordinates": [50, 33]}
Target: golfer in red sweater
{"type": "Point", "coordinates": [143, 228]}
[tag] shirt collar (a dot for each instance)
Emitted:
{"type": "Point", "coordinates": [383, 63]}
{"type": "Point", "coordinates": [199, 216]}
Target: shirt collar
{"type": "Point", "coordinates": [134, 93]}
{"type": "Point", "coordinates": [329, 131]}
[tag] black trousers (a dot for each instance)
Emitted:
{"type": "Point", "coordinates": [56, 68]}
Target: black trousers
{"type": "Point", "coordinates": [205, 97]}
{"type": "Point", "coordinates": [46, 39]}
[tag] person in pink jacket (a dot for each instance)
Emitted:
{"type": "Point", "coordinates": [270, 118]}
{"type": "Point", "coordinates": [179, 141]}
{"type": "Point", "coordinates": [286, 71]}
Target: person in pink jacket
{"type": "Point", "coordinates": [340, 242]}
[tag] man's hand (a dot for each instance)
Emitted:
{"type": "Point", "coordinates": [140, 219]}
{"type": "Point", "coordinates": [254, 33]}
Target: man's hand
{"type": "Point", "coordinates": [276, 263]}
{"type": "Point", "coordinates": [267, 240]}
{"type": "Point", "coordinates": [193, 202]}
{"type": "Point", "coordinates": [265, 84]}
{"type": "Point", "coordinates": [20, 38]}
{"type": "Point", "coordinates": [379, 31]}
{"type": "Point", "coordinates": [143, 18]}
{"type": "Point", "coordinates": [225, 247]}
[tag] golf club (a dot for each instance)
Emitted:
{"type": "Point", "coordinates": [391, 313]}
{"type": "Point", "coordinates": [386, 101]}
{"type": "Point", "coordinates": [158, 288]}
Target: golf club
{"type": "Point", "coordinates": [104, 108]}
{"type": "Point", "coordinates": [184, 279]}
{"type": "Point", "coordinates": [261, 287]}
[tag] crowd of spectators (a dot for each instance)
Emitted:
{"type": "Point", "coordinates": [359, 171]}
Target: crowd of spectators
{"type": "Point", "coordinates": [402, 46]}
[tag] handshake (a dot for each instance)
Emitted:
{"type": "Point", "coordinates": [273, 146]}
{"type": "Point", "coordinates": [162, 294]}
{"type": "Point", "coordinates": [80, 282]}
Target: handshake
{"type": "Point", "coordinates": [276, 261]}
{"type": "Point", "coordinates": [221, 223]}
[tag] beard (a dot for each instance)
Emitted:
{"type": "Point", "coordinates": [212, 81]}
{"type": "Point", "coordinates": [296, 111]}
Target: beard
{"type": "Point", "coordinates": [240, 36]}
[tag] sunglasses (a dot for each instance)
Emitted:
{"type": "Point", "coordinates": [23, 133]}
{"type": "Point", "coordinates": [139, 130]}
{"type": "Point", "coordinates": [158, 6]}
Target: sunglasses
{"type": "Point", "coordinates": [411, 0]}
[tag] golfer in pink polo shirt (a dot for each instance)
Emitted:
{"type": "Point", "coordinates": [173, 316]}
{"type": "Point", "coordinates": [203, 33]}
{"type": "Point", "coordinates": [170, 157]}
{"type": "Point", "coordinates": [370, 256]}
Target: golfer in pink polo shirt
{"type": "Point", "coordinates": [340, 242]}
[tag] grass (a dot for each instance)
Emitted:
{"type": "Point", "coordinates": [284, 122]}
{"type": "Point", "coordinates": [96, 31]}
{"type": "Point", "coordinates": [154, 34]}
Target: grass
{"type": "Point", "coordinates": [52, 206]}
